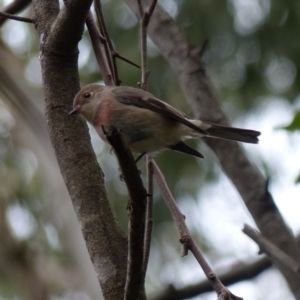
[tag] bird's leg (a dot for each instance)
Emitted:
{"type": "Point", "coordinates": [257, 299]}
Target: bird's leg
{"type": "Point", "coordinates": [140, 156]}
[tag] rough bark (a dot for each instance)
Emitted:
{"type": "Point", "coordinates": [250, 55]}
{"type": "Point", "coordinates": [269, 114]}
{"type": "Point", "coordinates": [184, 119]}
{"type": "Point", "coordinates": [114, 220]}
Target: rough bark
{"type": "Point", "coordinates": [60, 32]}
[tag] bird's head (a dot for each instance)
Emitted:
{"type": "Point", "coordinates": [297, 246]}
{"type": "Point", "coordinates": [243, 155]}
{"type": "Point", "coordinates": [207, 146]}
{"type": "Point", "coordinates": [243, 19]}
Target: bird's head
{"type": "Point", "coordinates": [86, 100]}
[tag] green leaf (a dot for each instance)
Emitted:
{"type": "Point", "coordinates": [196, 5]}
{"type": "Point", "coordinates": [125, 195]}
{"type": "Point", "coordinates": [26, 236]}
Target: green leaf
{"type": "Point", "coordinates": [294, 125]}
{"type": "Point", "coordinates": [297, 179]}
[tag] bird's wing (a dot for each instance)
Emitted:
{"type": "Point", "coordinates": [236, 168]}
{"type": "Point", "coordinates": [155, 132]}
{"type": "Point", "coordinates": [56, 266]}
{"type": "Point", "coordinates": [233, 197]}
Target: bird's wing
{"type": "Point", "coordinates": [147, 101]}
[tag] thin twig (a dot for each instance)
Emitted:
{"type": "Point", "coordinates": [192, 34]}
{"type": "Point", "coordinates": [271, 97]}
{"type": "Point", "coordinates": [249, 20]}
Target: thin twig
{"type": "Point", "coordinates": [185, 237]}
{"type": "Point", "coordinates": [179, 218]}
{"type": "Point", "coordinates": [277, 255]}
{"type": "Point", "coordinates": [144, 21]}
{"type": "Point", "coordinates": [151, 10]}
{"type": "Point", "coordinates": [141, 9]}
{"type": "Point", "coordinates": [102, 60]}
{"type": "Point", "coordinates": [145, 71]}
{"type": "Point", "coordinates": [149, 214]}
{"type": "Point", "coordinates": [106, 41]}
{"type": "Point", "coordinates": [16, 18]}
{"type": "Point", "coordinates": [117, 55]}
{"type": "Point", "coordinates": [13, 8]}
{"type": "Point", "coordinates": [101, 23]}
{"type": "Point", "coordinates": [112, 54]}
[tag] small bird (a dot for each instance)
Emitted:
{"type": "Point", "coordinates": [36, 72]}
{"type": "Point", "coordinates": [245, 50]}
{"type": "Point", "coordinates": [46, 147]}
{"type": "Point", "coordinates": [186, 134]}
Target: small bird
{"type": "Point", "coordinates": [147, 123]}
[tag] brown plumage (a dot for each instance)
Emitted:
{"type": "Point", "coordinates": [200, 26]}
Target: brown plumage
{"type": "Point", "coordinates": [147, 123]}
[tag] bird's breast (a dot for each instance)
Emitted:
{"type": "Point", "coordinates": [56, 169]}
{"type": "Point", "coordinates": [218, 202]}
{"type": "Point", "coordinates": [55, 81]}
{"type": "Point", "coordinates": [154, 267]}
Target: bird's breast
{"type": "Point", "coordinates": [104, 113]}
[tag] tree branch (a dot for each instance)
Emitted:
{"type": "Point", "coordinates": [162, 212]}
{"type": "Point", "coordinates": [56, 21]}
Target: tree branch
{"type": "Point", "coordinates": [144, 22]}
{"type": "Point", "coordinates": [187, 241]}
{"type": "Point", "coordinates": [16, 18]}
{"type": "Point", "coordinates": [69, 24]}
{"type": "Point", "coordinates": [13, 8]}
{"type": "Point", "coordinates": [107, 43]}
{"type": "Point", "coordinates": [111, 52]}
{"type": "Point", "coordinates": [238, 272]}
{"type": "Point", "coordinates": [136, 210]}
{"type": "Point", "coordinates": [101, 55]}
{"type": "Point", "coordinates": [149, 214]}
{"type": "Point", "coordinates": [106, 243]}
{"type": "Point", "coordinates": [278, 256]}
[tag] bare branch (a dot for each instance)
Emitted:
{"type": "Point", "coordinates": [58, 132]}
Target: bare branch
{"type": "Point", "coordinates": [136, 211]}
{"type": "Point", "coordinates": [16, 18]}
{"type": "Point", "coordinates": [238, 272]}
{"type": "Point", "coordinates": [179, 218]}
{"type": "Point", "coordinates": [141, 9]}
{"type": "Point", "coordinates": [145, 18]}
{"type": "Point", "coordinates": [277, 255]}
{"type": "Point", "coordinates": [110, 51]}
{"type": "Point", "coordinates": [186, 239]}
{"type": "Point", "coordinates": [107, 44]}
{"type": "Point", "coordinates": [13, 8]}
{"type": "Point", "coordinates": [117, 55]}
{"type": "Point", "coordinates": [150, 11]}
{"type": "Point", "coordinates": [101, 57]}
{"type": "Point", "coordinates": [149, 214]}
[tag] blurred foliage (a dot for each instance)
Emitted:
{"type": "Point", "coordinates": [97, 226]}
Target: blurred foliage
{"type": "Point", "coordinates": [30, 244]}
{"type": "Point", "coordinates": [292, 127]}
{"type": "Point", "coordinates": [295, 124]}
{"type": "Point", "coordinates": [253, 52]}
{"type": "Point", "coordinates": [297, 179]}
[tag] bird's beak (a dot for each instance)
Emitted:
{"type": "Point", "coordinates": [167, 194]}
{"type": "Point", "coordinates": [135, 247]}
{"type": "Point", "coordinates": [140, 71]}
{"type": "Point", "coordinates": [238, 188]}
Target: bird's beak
{"type": "Point", "coordinates": [76, 110]}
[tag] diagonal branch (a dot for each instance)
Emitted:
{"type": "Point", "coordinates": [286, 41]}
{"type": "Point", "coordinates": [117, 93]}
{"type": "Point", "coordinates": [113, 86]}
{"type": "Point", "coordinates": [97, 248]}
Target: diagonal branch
{"type": "Point", "coordinates": [187, 241]}
{"type": "Point", "coordinates": [13, 8]}
{"type": "Point", "coordinates": [16, 18]}
{"type": "Point", "coordinates": [238, 273]}
{"type": "Point", "coordinates": [278, 256]}
{"type": "Point", "coordinates": [100, 53]}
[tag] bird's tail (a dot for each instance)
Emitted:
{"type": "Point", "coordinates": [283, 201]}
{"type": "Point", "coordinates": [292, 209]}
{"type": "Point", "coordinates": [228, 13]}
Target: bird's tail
{"type": "Point", "coordinates": [231, 133]}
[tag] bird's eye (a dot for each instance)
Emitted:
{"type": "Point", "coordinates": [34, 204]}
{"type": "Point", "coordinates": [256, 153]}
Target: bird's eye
{"type": "Point", "coordinates": [87, 95]}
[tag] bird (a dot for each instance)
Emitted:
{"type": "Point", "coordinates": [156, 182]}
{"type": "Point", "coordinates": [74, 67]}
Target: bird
{"type": "Point", "coordinates": [147, 123]}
